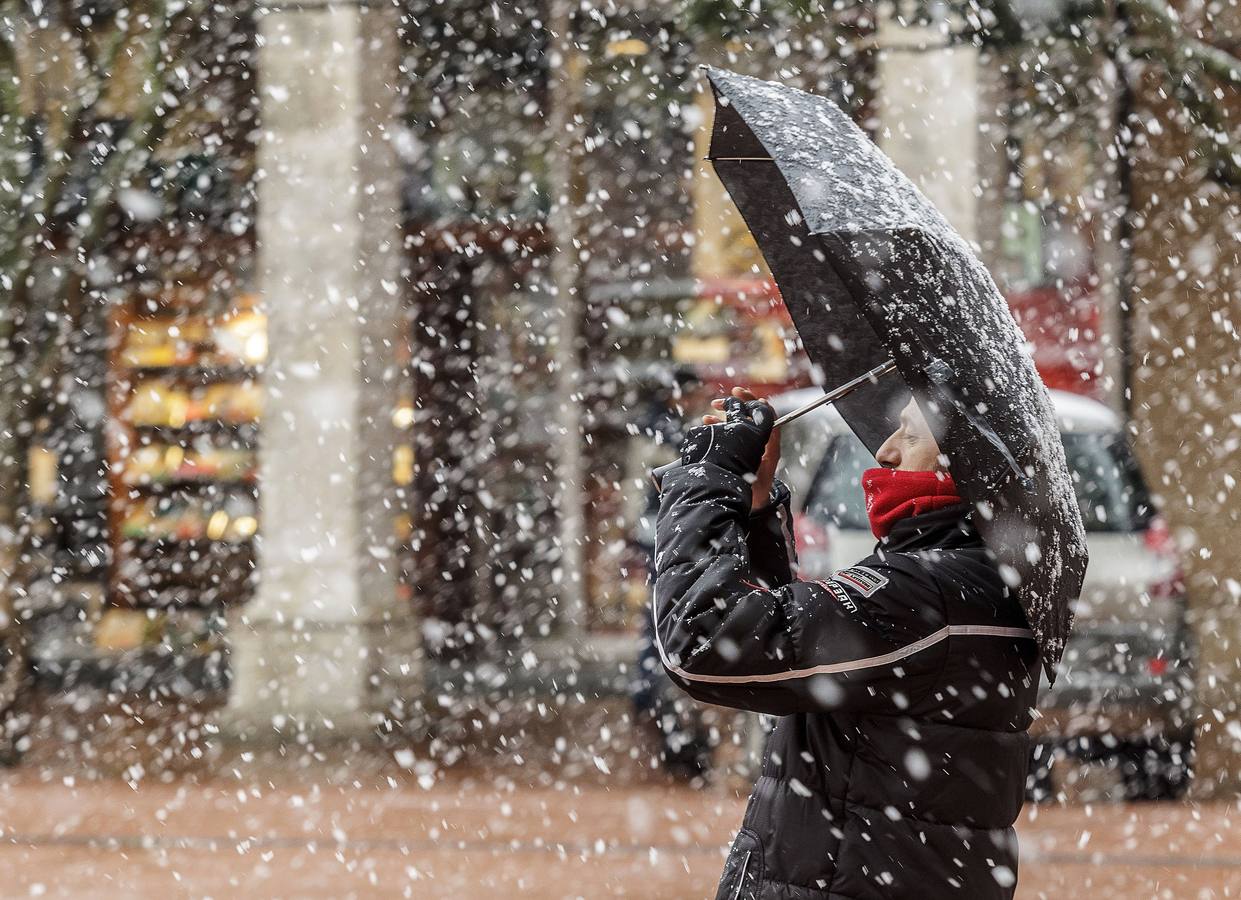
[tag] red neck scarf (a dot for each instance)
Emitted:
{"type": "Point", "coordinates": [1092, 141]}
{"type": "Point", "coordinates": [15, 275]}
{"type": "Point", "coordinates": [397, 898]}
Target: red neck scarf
{"type": "Point", "coordinates": [892, 495]}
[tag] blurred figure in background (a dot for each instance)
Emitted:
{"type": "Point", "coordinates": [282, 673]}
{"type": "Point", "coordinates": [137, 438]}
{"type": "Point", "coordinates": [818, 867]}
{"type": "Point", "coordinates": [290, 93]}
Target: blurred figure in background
{"type": "Point", "coordinates": [674, 722]}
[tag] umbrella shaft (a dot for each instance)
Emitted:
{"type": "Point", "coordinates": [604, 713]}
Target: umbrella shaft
{"type": "Point", "coordinates": [838, 393]}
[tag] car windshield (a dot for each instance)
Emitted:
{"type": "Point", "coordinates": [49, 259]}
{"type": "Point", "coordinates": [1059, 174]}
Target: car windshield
{"type": "Point", "coordinates": [1109, 487]}
{"type": "Point", "coordinates": [836, 491]}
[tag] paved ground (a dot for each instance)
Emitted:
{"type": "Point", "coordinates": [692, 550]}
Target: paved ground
{"type": "Point", "coordinates": [134, 801]}
{"type": "Point", "coordinates": [247, 835]}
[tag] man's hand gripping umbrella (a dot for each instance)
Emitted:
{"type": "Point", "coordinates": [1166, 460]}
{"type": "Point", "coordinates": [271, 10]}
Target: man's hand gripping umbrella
{"type": "Point", "coordinates": [740, 394]}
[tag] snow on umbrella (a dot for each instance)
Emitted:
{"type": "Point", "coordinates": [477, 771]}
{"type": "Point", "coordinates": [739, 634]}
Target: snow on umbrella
{"type": "Point", "coordinates": [870, 270]}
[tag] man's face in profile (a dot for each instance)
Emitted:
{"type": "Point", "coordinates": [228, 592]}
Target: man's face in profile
{"type": "Point", "coordinates": [912, 447]}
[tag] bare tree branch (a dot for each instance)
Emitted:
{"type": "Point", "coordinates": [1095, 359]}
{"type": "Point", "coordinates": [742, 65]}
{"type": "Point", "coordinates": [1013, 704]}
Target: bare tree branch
{"type": "Point", "coordinates": [1187, 60]}
{"type": "Point", "coordinates": [1178, 47]}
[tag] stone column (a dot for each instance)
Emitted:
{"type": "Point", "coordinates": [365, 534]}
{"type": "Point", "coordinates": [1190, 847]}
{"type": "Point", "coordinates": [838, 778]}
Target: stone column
{"type": "Point", "coordinates": [564, 83]}
{"type": "Point", "coordinates": [929, 117]}
{"type": "Point", "coordinates": [325, 637]}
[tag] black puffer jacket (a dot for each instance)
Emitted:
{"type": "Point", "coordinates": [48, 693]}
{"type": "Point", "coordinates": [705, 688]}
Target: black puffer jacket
{"type": "Point", "coordinates": [905, 683]}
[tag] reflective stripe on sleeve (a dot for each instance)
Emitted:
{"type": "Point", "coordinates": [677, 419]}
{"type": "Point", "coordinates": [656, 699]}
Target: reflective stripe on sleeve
{"type": "Point", "coordinates": [852, 665]}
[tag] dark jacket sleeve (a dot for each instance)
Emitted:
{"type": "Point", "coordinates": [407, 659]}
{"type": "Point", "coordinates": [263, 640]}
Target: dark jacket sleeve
{"type": "Point", "coordinates": [866, 641]}
{"type": "Point", "coordinates": [770, 539]}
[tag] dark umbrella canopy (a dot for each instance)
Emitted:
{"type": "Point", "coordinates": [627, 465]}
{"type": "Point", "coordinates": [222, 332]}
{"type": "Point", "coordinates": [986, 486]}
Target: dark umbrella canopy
{"type": "Point", "coordinates": [869, 269]}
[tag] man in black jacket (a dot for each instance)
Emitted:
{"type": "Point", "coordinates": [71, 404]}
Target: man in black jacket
{"type": "Point", "coordinates": [905, 682]}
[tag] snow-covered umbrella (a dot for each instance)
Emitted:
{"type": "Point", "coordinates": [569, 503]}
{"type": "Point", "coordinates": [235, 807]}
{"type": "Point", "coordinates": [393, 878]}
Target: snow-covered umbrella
{"type": "Point", "coordinates": [870, 270]}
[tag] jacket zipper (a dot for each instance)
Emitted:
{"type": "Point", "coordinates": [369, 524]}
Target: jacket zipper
{"type": "Point", "coordinates": [745, 864]}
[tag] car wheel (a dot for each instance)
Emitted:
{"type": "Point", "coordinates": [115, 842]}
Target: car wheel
{"type": "Point", "coordinates": [1158, 770]}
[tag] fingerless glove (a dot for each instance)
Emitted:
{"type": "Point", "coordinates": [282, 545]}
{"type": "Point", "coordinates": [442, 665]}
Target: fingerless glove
{"type": "Point", "coordinates": [736, 445]}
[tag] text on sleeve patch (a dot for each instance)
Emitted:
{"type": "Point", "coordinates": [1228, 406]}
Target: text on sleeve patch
{"type": "Point", "coordinates": [861, 579]}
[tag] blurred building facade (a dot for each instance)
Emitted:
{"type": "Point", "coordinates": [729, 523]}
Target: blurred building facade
{"type": "Point", "coordinates": [425, 499]}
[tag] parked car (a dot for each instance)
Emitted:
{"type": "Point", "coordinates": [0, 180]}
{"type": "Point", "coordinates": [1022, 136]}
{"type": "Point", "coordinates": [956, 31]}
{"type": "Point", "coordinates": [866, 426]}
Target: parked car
{"type": "Point", "coordinates": [1119, 715]}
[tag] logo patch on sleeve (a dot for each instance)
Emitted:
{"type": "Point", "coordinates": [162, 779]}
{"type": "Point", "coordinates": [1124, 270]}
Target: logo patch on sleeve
{"type": "Point", "coordinates": [840, 594]}
{"type": "Point", "coordinates": [863, 580]}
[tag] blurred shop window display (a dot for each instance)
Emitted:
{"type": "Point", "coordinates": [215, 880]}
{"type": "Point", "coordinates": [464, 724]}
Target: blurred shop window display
{"type": "Point", "coordinates": [184, 406]}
